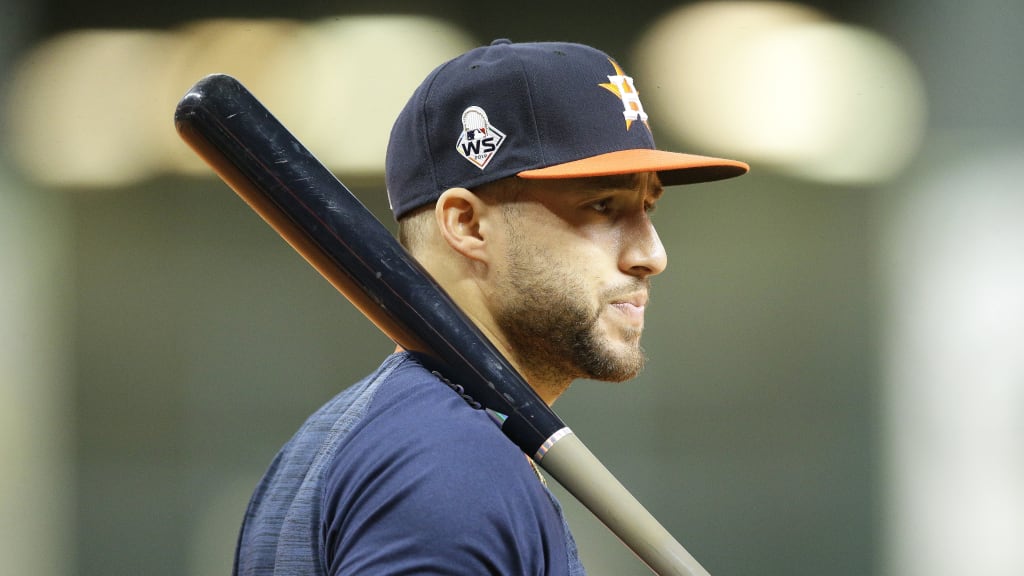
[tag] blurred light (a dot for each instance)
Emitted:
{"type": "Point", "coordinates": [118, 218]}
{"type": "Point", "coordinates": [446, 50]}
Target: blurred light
{"type": "Point", "coordinates": [239, 47]}
{"type": "Point", "coordinates": [778, 84]}
{"type": "Point", "coordinates": [37, 434]}
{"type": "Point", "coordinates": [94, 108]}
{"type": "Point", "coordinates": [955, 369]}
{"type": "Point", "coordinates": [342, 83]}
{"type": "Point", "coordinates": [82, 106]}
{"type": "Point", "coordinates": [696, 56]}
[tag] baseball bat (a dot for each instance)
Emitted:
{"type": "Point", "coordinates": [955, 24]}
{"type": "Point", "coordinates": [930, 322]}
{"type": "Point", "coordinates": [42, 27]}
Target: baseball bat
{"type": "Point", "coordinates": [317, 215]}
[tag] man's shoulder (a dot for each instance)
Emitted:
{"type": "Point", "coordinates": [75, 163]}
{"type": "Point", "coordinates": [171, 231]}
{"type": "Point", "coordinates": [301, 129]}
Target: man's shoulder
{"type": "Point", "coordinates": [416, 411]}
{"type": "Point", "coordinates": [424, 469]}
{"type": "Point", "coordinates": [420, 432]}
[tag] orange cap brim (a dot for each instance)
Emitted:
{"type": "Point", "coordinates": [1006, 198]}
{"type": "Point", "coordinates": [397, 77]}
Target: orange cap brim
{"type": "Point", "coordinates": [673, 168]}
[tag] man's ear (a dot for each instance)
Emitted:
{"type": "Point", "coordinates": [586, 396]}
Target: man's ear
{"type": "Point", "coordinates": [460, 215]}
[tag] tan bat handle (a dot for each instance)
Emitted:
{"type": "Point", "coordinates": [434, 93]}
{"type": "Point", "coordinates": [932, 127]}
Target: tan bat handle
{"type": "Point", "coordinates": [572, 464]}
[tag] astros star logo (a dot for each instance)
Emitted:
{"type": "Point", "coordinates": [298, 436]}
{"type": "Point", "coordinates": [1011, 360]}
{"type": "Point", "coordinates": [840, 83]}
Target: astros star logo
{"type": "Point", "coordinates": [622, 86]}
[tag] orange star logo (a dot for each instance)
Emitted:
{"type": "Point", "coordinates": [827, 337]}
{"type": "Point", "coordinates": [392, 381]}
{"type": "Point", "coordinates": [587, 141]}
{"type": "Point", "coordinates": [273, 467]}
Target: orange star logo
{"type": "Point", "coordinates": [623, 87]}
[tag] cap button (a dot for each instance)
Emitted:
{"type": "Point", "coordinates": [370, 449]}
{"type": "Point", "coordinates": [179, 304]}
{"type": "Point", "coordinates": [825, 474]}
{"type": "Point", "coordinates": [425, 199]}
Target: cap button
{"type": "Point", "coordinates": [501, 41]}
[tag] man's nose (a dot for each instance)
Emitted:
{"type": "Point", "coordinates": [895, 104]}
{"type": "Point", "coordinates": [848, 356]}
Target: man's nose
{"type": "Point", "coordinates": [643, 254]}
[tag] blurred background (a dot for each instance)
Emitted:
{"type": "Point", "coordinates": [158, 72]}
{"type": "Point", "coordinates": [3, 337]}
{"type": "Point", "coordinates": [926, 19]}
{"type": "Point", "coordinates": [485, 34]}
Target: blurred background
{"type": "Point", "coordinates": [836, 383]}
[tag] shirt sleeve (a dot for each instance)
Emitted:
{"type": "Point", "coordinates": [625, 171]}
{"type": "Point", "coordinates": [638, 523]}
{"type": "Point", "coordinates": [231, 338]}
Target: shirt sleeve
{"type": "Point", "coordinates": [442, 492]}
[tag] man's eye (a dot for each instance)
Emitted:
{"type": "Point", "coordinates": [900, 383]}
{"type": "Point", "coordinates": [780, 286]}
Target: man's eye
{"type": "Point", "coordinates": [601, 206]}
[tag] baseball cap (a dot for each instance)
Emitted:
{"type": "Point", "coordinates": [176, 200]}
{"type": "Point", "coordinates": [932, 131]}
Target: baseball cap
{"type": "Point", "coordinates": [535, 110]}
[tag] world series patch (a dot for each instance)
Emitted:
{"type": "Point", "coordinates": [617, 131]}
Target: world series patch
{"type": "Point", "coordinates": [479, 140]}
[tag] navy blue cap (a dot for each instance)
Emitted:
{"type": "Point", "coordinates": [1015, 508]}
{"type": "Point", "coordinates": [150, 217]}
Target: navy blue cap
{"type": "Point", "coordinates": [536, 110]}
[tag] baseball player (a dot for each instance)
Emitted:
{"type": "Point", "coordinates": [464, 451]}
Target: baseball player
{"type": "Point", "coordinates": [522, 177]}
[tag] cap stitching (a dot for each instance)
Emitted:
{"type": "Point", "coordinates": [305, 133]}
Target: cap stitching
{"type": "Point", "coordinates": [528, 82]}
{"type": "Point", "coordinates": [427, 89]}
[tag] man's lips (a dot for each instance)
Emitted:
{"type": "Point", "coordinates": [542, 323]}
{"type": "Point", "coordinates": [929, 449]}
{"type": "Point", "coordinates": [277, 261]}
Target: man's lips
{"type": "Point", "coordinates": [632, 307]}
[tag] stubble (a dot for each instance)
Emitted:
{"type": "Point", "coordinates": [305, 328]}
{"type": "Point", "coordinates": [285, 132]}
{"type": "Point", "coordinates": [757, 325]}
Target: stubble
{"type": "Point", "coordinates": [552, 323]}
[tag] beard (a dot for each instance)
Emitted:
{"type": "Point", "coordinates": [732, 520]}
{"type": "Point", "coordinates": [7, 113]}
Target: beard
{"type": "Point", "coordinates": [553, 326]}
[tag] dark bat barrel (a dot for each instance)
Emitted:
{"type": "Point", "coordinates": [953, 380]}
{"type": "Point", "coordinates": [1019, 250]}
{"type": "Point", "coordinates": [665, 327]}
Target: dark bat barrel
{"type": "Point", "coordinates": [279, 174]}
{"type": "Point", "coordinates": [311, 209]}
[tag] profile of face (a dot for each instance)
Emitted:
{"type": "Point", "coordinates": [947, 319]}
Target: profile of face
{"type": "Point", "coordinates": [572, 288]}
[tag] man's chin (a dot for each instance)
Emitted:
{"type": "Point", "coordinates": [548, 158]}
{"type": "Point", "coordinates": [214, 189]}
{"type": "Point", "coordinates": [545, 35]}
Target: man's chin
{"type": "Point", "coordinates": [617, 362]}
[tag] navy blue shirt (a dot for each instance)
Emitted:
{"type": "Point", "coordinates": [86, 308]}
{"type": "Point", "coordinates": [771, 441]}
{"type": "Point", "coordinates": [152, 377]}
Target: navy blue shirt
{"type": "Point", "coordinates": [399, 475]}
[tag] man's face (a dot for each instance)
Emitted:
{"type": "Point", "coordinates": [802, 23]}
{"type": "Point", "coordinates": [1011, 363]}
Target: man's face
{"type": "Point", "coordinates": [571, 293]}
